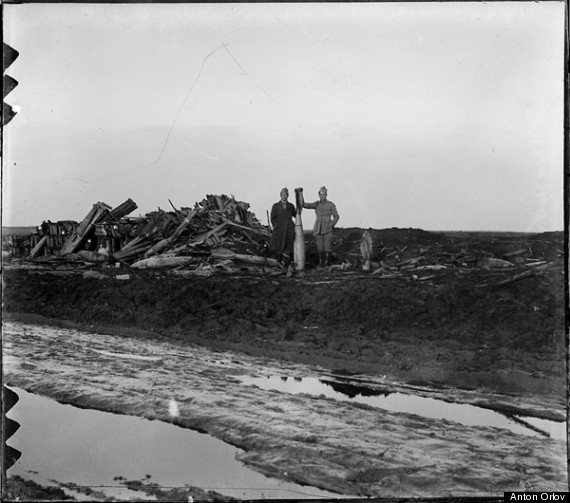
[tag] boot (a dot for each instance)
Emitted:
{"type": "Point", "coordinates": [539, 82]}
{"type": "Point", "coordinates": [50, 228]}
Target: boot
{"type": "Point", "coordinates": [327, 258]}
{"type": "Point", "coordinates": [321, 259]}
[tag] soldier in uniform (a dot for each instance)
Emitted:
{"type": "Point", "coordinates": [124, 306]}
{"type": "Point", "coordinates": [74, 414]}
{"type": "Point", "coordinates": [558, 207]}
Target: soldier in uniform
{"type": "Point", "coordinates": [327, 217]}
{"type": "Point", "coordinates": [283, 236]}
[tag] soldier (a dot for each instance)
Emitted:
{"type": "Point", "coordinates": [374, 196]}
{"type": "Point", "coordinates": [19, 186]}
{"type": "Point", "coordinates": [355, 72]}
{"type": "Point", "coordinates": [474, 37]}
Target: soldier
{"type": "Point", "coordinates": [281, 244]}
{"type": "Point", "coordinates": [327, 217]}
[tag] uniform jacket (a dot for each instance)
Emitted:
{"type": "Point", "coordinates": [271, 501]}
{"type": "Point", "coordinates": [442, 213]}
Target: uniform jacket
{"type": "Point", "coordinates": [327, 216]}
{"type": "Point", "coordinates": [283, 227]}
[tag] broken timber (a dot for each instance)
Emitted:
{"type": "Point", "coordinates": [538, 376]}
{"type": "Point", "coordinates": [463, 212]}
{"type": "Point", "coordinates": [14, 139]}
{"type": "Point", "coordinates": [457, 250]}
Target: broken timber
{"type": "Point", "coordinates": [251, 259]}
{"type": "Point", "coordinates": [38, 247]}
{"type": "Point", "coordinates": [100, 212]}
{"type": "Point", "coordinates": [163, 262]}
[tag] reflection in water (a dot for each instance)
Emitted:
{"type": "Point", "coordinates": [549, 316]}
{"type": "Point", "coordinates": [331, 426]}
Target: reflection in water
{"type": "Point", "coordinates": [469, 415]}
{"type": "Point", "coordinates": [351, 390]}
{"type": "Point", "coordinates": [91, 448]}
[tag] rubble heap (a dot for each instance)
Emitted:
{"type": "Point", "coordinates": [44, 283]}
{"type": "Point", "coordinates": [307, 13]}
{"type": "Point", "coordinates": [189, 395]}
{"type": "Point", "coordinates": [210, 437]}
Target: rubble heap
{"type": "Point", "coordinates": [418, 255]}
{"type": "Point", "coordinates": [218, 234]}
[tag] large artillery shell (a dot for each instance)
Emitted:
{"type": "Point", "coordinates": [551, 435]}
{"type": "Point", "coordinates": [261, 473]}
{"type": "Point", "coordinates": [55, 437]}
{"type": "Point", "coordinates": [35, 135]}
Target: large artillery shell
{"type": "Point", "coordinates": [299, 244]}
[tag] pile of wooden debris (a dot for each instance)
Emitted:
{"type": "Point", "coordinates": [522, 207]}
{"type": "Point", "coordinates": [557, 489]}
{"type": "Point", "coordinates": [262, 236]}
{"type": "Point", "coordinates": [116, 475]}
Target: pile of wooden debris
{"type": "Point", "coordinates": [510, 260]}
{"type": "Point", "coordinates": [219, 234]}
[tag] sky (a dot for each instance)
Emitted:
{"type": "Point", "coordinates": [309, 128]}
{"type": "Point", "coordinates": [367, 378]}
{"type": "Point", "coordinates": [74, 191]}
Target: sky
{"type": "Point", "coordinates": [440, 116]}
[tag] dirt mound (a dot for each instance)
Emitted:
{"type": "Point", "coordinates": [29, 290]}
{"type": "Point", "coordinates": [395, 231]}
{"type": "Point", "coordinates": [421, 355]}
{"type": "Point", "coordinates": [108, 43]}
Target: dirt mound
{"type": "Point", "coordinates": [431, 314]}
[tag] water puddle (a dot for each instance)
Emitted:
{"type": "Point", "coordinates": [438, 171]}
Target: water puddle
{"type": "Point", "coordinates": [466, 414]}
{"type": "Point", "coordinates": [65, 444]}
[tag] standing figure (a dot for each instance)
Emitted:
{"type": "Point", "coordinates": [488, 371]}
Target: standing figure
{"type": "Point", "coordinates": [283, 236]}
{"type": "Point", "coordinates": [327, 217]}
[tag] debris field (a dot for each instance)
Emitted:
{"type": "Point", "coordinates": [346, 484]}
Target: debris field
{"type": "Point", "coordinates": [221, 236]}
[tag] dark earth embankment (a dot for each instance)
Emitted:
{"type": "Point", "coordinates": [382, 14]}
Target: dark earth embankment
{"type": "Point", "coordinates": [434, 310]}
{"type": "Point", "coordinates": [459, 327]}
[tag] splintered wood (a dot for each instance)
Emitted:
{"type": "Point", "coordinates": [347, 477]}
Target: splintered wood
{"type": "Point", "coordinates": [218, 234]}
{"type": "Point", "coordinates": [191, 240]}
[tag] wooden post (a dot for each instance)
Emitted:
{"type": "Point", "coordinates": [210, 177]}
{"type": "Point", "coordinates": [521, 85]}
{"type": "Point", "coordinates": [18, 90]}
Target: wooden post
{"type": "Point", "coordinates": [38, 247]}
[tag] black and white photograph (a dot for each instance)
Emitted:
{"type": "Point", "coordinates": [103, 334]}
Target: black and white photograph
{"type": "Point", "coordinates": [283, 251]}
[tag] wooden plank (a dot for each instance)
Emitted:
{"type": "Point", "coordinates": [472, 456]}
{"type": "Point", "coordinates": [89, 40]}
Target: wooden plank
{"type": "Point", "coordinates": [204, 236]}
{"type": "Point", "coordinates": [131, 252]}
{"type": "Point", "coordinates": [122, 210]}
{"type": "Point", "coordinates": [163, 262]}
{"type": "Point", "coordinates": [251, 259]}
{"type": "Point", "coordinates": [97, 213]}
{"type": "Point", "coordinates": [261, 231]}
{"type": "Point", "coordinates": [38, 247]}
{"type": "Point", "coordinates": [166, 243]}
{"type": "Point", "coordinates": [135, 243]}
{"type": "Point", "coordinates": [516, 277]}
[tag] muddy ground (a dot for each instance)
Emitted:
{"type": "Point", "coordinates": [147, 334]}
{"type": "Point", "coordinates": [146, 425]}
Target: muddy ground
{"type": "Point", "coordinates": [459, 328]}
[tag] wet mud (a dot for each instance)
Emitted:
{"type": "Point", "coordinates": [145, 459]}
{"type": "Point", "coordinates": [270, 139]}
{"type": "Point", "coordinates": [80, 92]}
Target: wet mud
{"type": "Point", "coordinates": [131, 341]}
{"type": "Point", "coordinates": [342, 447]}
{"type": "Point", "coordinates": [102, 452]}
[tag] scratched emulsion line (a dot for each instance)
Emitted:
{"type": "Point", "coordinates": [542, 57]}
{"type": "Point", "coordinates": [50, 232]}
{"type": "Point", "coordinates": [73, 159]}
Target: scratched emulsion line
{"type": "Point", "coordinates": [184, 102]}
{"type": "Point", "coordinates": [153, 163]}
{"type": "Point", "coordinates": [207, 156]}
{"type": "Point", "coordinates": [223, 46]}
